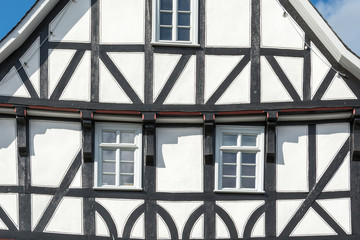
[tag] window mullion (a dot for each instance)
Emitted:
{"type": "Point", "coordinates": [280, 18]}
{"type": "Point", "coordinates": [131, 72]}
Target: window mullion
{"type": "Point", "coordinates": [117, 167]}
{"type": "Point", "coordinates": [175, 22]}
{"type": "Point", "coordinates": [238, 164]}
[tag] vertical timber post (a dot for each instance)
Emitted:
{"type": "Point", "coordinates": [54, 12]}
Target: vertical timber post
{"type": "Point", "coordinates": [209, 215]}
{"type": "Point", "coordinates": [149, 119]}
{"type": "Point", "coordinates": [270, 175]}
{"type": "Point", "coordinates": [87, 124]}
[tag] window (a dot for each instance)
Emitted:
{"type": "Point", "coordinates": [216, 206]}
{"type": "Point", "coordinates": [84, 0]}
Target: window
{"type": "Point", "coordinates": [175, 21]}
{"type": "Point", "coordinates": [239, 158]}
{"type": "Point", "coordinates": [118, 156]}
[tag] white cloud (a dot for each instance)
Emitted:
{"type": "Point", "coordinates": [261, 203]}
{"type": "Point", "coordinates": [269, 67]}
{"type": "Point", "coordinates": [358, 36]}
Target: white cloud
{"type": "Point", "coordinates": [343, 16]}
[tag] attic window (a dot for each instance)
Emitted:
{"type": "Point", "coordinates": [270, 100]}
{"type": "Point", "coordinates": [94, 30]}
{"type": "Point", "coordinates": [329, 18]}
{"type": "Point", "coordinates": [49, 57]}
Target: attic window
{"type": "Point", "coordinates": [175, 21]}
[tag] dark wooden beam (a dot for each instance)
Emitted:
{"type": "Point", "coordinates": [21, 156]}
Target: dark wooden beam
{"type": "Point", "coordinates": [271, 136]}
{"type": "Point", "coordinates": [22, 143]}
{"type": "Point", "coordinates": [209, 123]}
{"type": "Point", "coordinates": [355, 135]}
{"type": "Point", "coordinates": [149, 119]}
{"type": "Point", "coordinates": [87, 122]}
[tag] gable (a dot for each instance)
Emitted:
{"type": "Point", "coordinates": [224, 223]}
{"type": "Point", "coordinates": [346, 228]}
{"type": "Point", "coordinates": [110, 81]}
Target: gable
{"type": "Point", "coordinates": [259, 55]}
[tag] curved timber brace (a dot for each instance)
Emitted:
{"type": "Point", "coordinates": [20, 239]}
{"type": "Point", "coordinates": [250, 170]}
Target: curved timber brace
{"type": "Point", "coordinates": [355, 135]}
{"type": "Point", "coordinates": [149, 119]}
{"type": "Point", "coordinates": [87, 120]}
{"type": "Point", "coordinates": [271, 120]}
{"type": "Point", "coordinates": [22, 140]}
{"type": "Point", "coordinates": [209, 121]}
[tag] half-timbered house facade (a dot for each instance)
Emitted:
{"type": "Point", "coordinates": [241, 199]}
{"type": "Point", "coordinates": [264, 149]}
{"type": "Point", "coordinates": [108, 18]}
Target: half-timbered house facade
{"type": "Point", "coordinates": [178, 119]}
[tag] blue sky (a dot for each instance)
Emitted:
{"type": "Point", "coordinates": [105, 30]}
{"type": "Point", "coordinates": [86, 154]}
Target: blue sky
{"type": "Point", "coordinates": [341, 15]}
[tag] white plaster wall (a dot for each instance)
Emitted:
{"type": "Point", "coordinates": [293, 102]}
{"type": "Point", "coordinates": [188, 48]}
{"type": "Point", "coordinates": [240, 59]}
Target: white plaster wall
{"type": "Point", "coordinates": [78, 87]}
{"type": "Point", "coordinates": [197, 232]}
{"type": "Point", "coordinates": [338, 89]}
{"type": "Point", "coordinates": [77, 181]}
{"type": "Point", "coordinates": [131, 65]}
{"type": "Point", "coordinates": [120, 210]}
{"type": "Point", "coordinates": [67, 217]}
{"type": "Point", "coordinates": [269, 82]}
{"type": "Point", "coordinates": [179, 159]}
{"type": "Point", "coordinates": [163, 231]}
{"type": "Point", "coordinates": [240, 212]}
{"type": "Point", "coordinates": [329, 139]}
{"type": "Point", "coordinates": [9, 202]}
{"type": "Point", "coordinates": [228, 23]}
{"type": "Point", "coordinates": [73, 23]}
{"type": "Point", "coordinates": [58, 61]}
{"type": "Point", "coordinates": [306, 226]}
{"type": "Point", "coordinates": [259, 228]}
{"type": "Point", "coordinates": [221, 231]}
{"type": "Point", "coordinates": [278, 31]}
{"type": "Point", "coordinates": [122, 21]}
{"type": "Point", "coordinates": [164, 65]}
{"type": "Point", "coordinates": [8, 152]}
{"type": "Point", "coordinates": [184, 90]}
{"type": "Point", "coordinates": [138, 230]}
{"type": "Point", "coordinates": [285, 210]}
{"type": "Point", "coordinates": [293, 68]}
{"type": "Point", "coordinates": [100, 226]}
{"type": "Point", "coordinates": [32, 66]}
{"type": "Point", "coordinates": [239, 89]}
{"type": "Point", "coordinates": [12, 85]}
{"type": "Point", "coordinates": [340, 210]}
{"type": "Point", "coordinates": [109, 89]}
{"type": "Point", "coordinates": [217, 68]}
{"type": "Point", "coordinates": [292, 159]}
{"type": "Point", "coordinates": [180, 213]}
{"type": "Point", "coordinates": [39, 203]}
{"type": "Point", "coordinates": [319, 68]}
{"type": "Point", "coordinates": [53, 147]}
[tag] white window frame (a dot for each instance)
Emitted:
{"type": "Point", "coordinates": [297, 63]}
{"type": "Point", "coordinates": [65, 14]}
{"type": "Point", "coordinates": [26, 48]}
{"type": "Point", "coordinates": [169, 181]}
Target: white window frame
{"type": "Point", "coordinates": [136, 146]}
{"type": "Point", "coordinates": [258, 149]}
{"type": "Point", "coordinates": [194, 22]}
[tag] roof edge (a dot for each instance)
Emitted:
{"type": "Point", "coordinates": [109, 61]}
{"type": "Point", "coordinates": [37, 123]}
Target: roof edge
{"type": "Point", "coordinates": [350, 61]}
{"type": "Point", "coordinates": [17, 36]}
{"type": "Point", "coordinates": [327, 36]}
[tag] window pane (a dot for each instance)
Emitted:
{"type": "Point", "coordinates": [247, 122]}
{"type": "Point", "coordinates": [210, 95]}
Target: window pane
{"type": "Point", "coordinates": [229, 182]}
{"type": "Point", "coordinates": [248, 140]}
{"type": "Point", "coordinates": [184, 5]}
{"type": "Point", "coordinates": [184, 19]}
{"type": "Point", "coordinates": [229, 157]}
{"type": "Point", "coordinates": [127, 156]}
{"type": "Point", "coordinates": [249, 158]}
{"type": "Point", "coordinates": [108, 180]}
{"type": "Point", "coordinates": [127, 180]}
{"type": "Point", "coordinates": [230, 140]}
{"type": "Point", "coordinates": [229, 170]}
{"type": "Point", "coordinates": [109, 155]}
{"type": "Point", "coordinates": [247, 170]}
{"type": "Point", "coordinates": [127, 167]}
{"type": "Point", "coordinates": [165, 18]}
{"type": "Point", "coordinates": [165, 33]}
{"type": "Point", "coordinates": [184, 34]}
{"type": "Point", "coordinates": [166, 4]}
{"type": "Point", "coordinates": [247, 182]}
{"type": "Point", "coordinates": [109, 167]}
{"type": "Point", "coordinates": [127, 137]}
{"type": "Point", "coordinates": [109, 137]}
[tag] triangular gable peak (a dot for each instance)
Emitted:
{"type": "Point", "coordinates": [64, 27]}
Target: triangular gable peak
{"type": "Point", "coordinates": [246, 54]}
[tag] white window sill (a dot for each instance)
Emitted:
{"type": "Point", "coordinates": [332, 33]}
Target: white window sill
{"type": "Point", "coordinates": [114, 188]}
{"type": "Point", "coordinates": [175, 44]}
{"type": "Point", "coordinates": [239, 191]}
